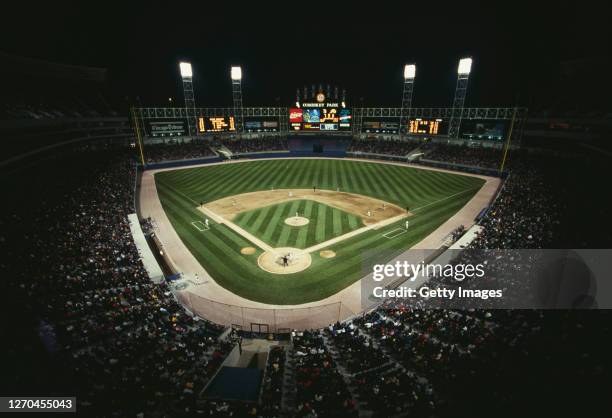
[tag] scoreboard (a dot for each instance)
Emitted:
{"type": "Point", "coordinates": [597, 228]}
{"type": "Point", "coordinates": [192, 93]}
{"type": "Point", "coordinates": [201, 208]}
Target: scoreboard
{"type": "Point", "coordinates": [321, 115]}
{"type": "Point", "coordinates": [424, 126]}
{"type": "Point", "coordinates": [415, 126]}
{"type": "Point", "coordinates": [216, 124]}
{"type": "Point", "coordinates": [320, 119]}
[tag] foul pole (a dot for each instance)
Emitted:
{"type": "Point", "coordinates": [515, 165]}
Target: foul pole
{"type": "Point", "coordinates": [507, 146]}
{"type": "Point", "coordinates": [138, 136]}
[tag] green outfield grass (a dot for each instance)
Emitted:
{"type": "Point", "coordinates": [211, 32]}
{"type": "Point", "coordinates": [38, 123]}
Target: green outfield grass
{"type": "Point", "coordinates": [432, 197]}
{"type": "Point", "coordinates": [268, 223]}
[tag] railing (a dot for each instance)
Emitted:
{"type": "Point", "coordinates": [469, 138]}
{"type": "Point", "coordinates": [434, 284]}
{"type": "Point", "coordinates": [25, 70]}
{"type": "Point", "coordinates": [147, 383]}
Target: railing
{"type": "Point", "coordinates": [277, 319]}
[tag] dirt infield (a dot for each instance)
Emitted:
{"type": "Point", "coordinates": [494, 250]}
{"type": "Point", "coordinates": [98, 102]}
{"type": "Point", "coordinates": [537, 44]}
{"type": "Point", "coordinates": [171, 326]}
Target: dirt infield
{"type": "Point", "coordinates": [297, 221]}
{"type": "Point", "coordinates": [271, 261]}
{"type": "Point", "coordinates": [369, 209]}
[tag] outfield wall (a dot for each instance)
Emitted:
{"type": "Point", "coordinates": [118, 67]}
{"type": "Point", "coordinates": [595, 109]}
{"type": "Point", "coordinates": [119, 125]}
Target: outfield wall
{"type": "Point", "coordinates": [182, 163]}
{"type": "Point", "coordinates": [493, 172]}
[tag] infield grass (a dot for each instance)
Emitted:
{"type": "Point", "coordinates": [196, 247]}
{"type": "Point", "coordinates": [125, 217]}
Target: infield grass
{"type": "Point", "coordinates": [268, 223]}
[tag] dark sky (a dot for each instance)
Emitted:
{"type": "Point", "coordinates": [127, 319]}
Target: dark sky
{"type": "Point", "coordinates": [361, 46]}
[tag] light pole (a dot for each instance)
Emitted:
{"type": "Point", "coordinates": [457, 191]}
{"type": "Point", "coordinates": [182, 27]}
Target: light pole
{"type": "Point", "coordinates": [187, 79]}
{"type": "Point", "coordinates": [409, 75]}
{"type": "Point", "coordinates": [236, 76]}
{"type": "Point", "coordinates": [463, 74]}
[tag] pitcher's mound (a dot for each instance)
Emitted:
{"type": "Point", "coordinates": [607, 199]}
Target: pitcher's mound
{"type": "Point", "coordinates": [327, 254]}
{"type": "Point", "coordinates": [272, 261]}
{"type": "Point", "coordinates": [247, 250]}
{"type": "Point", "coordinates": [297, 221]}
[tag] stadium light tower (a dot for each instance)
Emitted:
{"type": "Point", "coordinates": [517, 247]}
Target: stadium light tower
{"type": "Point", "coordinates": [463, 74]}
{"type": "Point", "coordinates": [236, 76]}
{"type": "Point", "coordinates": [409, 75]}
{"type": "Point", "coordinates": [187, 78]}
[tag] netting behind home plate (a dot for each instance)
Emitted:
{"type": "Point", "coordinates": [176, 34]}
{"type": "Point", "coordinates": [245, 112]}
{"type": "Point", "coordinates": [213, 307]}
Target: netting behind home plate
{"type": "Point", "coordinates": [265, 320]}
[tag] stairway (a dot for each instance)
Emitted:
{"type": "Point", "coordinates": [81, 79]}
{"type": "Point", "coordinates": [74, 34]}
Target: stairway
{"type": "Point", "coordinates": [348, 379]}
{"type": "Point", "coordinates": [289, 388]}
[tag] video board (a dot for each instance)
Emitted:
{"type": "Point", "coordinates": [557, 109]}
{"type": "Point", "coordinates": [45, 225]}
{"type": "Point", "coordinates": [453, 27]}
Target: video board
{"type": "Point", "coordinates": [320, 115]}
{"type": "Point", "coordinates": [380, 126]}
{"type": "Point", "coordinates": [320, 119]}
{"type": "Point", "coordinates": [216, 124]}
{"type": "Point", "coordinates": [166, 128]}
{"type": "Point", "coordinates": [483, 130]}
{"type": "Point", "coordinates": [260, 125]}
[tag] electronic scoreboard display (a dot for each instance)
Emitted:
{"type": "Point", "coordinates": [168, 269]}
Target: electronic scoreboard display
{"type": "Point", "coordinates": [483, 130]}
{"type": "Point", "coordinates": [425, 126]}
{"type": "Point", "coordinates": [380, 126]}
{"type": "Point", "coordinates": [321, 115]}
{"type": "Point", "coordinates": [260, 125]}
{"type": "Point", "coordinates": [216, 124]}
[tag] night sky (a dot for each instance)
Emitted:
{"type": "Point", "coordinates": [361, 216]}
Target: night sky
{"type": "Point", "coordinates": [517, 48]}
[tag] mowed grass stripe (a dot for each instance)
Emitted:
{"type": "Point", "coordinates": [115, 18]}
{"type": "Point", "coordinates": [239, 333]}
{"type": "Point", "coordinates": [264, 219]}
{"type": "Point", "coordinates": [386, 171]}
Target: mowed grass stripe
{"type": "Point", "coordinates": [301, 240]}
{"type": "Point", "coordinates": [337, 222]}
{"type": "Point", "coordinates": [205, 187]}
{"type": "Point", "coordinates": [380, 185]}
{"type": "Point", "coordinates": [271, 224]}
{"type": "Point", "coordinates": [272, 173]}
{"type": "Point", "coordinates": [334, 174]}
{"type": "Point", "coordinates": [388, 183]}
{"type": "Point", "coordinates": [304, 168]}
{"type": "Point", "coordinates": [283, 239]}
{"type": "Point", "coordinates": [320, 224]}
{"type": "Point", "coordinates": [263, 212]}
{"type": "Point", "coordinates": [255, 180]}
{"type": "Point", "coordinates": [329, 222]}
{"type": "Point", "coordinates": [355, 180]}
{"type": "Point", "coordinates": [286, 207]}
{"type": "Point", "coordinates": [253, 218]}
{"type": "Point", "coordinates": [270, 219]}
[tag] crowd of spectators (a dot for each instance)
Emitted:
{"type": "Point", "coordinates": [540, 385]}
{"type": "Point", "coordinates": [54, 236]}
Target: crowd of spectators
{"type": "Point", "coordinates": [198, 148]}
{"type": "Point", "coordinates": [389, 147]}
{"type": "Point", "coordinates": [321, 390]}
{"type": "Point", "coordinates": [259, 144]}
{"type": "Point", "coordinates": [476, 156]}
{"type": "Point", "coordinates": [356, 350]}
{"type": "Point", "coordinates": [525, 214]}
{"type": "Point", "coordinates": [201, 148]}
{"type": "Point", "coordinates": [128, 347]}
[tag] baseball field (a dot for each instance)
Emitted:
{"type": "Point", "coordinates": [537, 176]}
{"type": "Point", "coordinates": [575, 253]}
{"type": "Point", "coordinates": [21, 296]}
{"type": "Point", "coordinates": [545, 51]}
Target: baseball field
{"type": "Point", "coordinates": [292, 231]}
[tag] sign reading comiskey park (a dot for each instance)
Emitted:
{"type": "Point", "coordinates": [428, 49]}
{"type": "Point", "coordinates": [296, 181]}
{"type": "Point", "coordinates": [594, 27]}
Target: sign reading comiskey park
{"type": "Point", "coordinates": [321, 115]}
